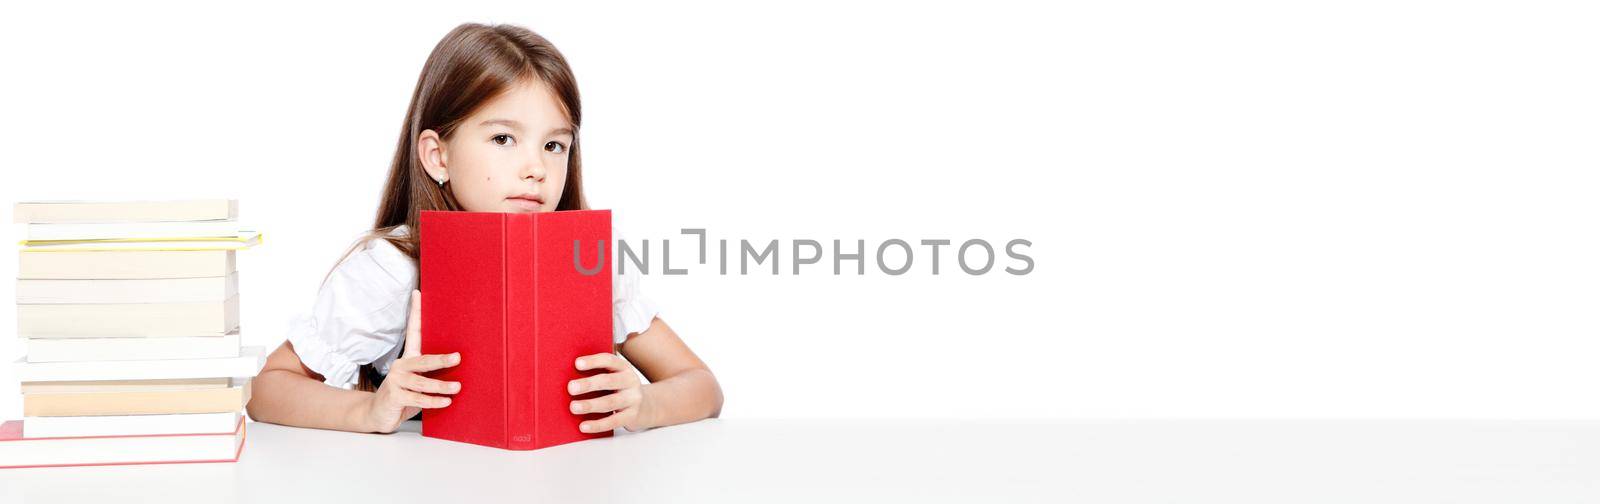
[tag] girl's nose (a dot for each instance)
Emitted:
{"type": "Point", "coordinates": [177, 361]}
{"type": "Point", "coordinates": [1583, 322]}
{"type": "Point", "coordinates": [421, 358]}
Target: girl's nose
{"type": "Point", "coordinates": [535, 169]}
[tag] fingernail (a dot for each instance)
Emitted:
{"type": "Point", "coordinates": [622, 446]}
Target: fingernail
{"type": "Point", "coordinates": [455, 357]}
{"type": "Point", "coordinates": [573, 387]}
{"type": "Point", "coordinates": [455, 387]}
{"type": "Point", "coordinates": [580, 363]}
{"type": "Point", "coordinates": [577, 407]}
{"type": "Point", "coordinates": [446, 401]}
{"type": "Point", "coordinates": [583, 427]}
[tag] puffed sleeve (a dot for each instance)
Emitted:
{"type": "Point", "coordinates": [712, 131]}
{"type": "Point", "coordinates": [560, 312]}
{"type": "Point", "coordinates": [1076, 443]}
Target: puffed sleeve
{"type": "Point", "coordinates": [359, 316]}
{"type": "Point", "coordinates": [631, 310]}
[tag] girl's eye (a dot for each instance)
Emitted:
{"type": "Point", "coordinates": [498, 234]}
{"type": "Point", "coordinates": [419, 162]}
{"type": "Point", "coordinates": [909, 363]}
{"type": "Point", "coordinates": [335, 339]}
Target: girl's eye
{"type": "Point", "coordinates": [503, 139]}
{"type": "Point", "coordinates": [555, 147]}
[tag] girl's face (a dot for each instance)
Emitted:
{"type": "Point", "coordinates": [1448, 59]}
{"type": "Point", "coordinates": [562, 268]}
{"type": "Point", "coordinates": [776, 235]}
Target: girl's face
{"type": "Point", "coordinates": [508, 156]}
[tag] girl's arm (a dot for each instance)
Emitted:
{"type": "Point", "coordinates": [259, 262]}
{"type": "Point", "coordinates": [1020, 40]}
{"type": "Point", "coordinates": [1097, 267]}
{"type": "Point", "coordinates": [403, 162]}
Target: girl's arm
{"type": "Point", "coordinates": [681, 389]}
{"type": "Point", "coordinates": [286, 392]}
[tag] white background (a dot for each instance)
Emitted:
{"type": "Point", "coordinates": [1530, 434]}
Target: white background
{"type": "Point", "coordinates": [1238, 209]}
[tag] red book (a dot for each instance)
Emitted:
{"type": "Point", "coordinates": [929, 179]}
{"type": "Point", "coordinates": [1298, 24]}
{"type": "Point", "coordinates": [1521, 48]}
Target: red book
{"type": "Point", "coordinates": [512, 294]}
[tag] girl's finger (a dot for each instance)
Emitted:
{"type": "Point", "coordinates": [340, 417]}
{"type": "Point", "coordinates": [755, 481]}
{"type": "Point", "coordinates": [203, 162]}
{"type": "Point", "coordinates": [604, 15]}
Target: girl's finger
{"type": "Point", "coordinates": [418, 383]}
{"type": "Point", "coordinates": [414, 325]}
{"type": "Point", "coordinates": [409, 398]}
{"type": "Point", "coordinates": [607, 381]}
{"type": "Point", "coordinates": [601, 361]}
{"type": "Point", "coordinates": [430, 362]}
{"type": "Point", "coordinates": [605, 404]}
{"type": "Point", "coordinates": [608, 423]}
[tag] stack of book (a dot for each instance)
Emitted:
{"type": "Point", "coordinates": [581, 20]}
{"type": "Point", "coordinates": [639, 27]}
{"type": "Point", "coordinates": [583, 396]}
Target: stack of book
{"type": "Point", "coordinates": [130, 316]}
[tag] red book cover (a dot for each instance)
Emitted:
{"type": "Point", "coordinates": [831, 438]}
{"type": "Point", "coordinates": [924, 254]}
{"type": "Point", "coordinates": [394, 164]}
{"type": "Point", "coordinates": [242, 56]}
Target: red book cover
{"type": "Point", "coordinates": [511, 292]}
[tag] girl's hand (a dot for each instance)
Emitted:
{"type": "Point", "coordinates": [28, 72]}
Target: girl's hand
{"type": "Point", "coordinates": [625, 403]}
{"type": "Point", "coordinates": [404, 391]}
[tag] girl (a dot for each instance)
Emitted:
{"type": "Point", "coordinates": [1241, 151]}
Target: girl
{"type": "Point", "coordinates": [493, 127]}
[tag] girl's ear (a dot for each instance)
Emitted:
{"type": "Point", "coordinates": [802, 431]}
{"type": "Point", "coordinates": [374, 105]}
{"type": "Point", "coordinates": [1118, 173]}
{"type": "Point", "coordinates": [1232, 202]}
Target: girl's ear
{"type": "Point", "coordinates": [430, 149]}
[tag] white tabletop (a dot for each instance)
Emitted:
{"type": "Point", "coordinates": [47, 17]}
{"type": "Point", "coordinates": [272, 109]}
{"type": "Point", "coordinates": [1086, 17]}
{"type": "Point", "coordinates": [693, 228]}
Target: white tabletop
{"type": "Point", "coordinates": [763, 461]}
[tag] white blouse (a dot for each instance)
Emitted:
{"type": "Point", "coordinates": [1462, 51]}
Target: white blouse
{"type": "Point", "coordinates": [362, 308]}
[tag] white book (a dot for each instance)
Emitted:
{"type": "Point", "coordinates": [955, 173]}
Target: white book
{"type": "Point", "coordinates": [127, 320]}
{"type": "Point", "coordinates": [102, 386]}
{"type": "Point", "coordinates": [247, 364]}
{"type": "Point", "coordinates": [129, 425]}
{"type": "Point", "coordinates": [16, 450]}
{"type": "Point", "coordinates": [125, 211]}
{"type": "Point", "coordinates": [139, 290]}
{"type": "Point", "coordinates": [244, 240]}
{"type": "Point", "coordinates": [133, 230]}
{"type": "Point", "coordinates": [170, 402]}
{"type": "Point", "coordinates": [126, 349]}
{"type": "Point", "coordinates": [147, 264]}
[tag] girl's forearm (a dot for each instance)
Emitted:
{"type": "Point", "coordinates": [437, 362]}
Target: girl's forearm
{"type": "Point", "coordinates": [686, 397]}
{"type": "Point", "coordinates": [284, 397]}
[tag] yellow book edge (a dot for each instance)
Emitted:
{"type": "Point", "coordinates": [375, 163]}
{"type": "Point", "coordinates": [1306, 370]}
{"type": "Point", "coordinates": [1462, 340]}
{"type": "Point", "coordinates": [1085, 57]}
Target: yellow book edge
{"type": "Point", "coordinates": [243, 236]}
{"type": "Point", "coordinates": [113, 245]}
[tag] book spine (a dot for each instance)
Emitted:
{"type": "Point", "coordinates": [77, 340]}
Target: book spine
{"type": "Point", "coordinates": [521, 309]}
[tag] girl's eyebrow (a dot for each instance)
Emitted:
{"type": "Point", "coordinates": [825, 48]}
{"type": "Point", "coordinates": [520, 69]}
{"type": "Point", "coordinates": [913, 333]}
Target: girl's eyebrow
{"type": "Point", "coordinates": [560, 131]}
{"type": "Point", "coordinates": [504, 122]}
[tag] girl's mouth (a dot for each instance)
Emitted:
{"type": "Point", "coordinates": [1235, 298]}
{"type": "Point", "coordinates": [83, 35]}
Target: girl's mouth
{"type": "Point", "coordinates": [526, 202]}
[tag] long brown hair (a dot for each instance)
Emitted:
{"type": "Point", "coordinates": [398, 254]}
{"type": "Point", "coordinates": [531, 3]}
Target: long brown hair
{"type": "Point", "coordinates": [471, 65]}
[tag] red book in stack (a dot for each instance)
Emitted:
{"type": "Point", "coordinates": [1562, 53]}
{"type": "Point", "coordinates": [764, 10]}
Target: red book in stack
{"type": "Point", "coordinates": [18, 450]}
{"type": "Point", "coordinates": [513, 294]}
